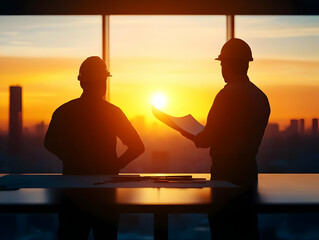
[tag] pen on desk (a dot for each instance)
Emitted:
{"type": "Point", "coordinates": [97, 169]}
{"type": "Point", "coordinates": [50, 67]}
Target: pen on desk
{"type": "Point", "coordinates": [122, 179]}
{"type": "Point", "coordinates": [99, 183]}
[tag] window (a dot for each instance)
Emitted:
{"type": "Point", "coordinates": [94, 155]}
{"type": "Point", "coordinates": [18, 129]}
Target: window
{"type": "Point", "coordinates": [286, 67]}
{"type": "Point", "coordinates": [41, 54]}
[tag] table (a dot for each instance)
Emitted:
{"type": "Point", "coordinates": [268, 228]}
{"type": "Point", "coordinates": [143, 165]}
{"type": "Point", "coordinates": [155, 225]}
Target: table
{"type": "Point", "coordinates": [275, 193]}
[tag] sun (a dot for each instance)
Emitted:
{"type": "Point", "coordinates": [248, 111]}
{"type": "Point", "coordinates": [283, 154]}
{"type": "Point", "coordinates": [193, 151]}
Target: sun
{"type": "Point", "coordinates": [159, 100]}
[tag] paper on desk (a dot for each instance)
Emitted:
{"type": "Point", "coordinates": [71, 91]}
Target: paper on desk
{"type": "Point", "coordinates": [187, 123]}
{"type": "Point", "coordinates": [14, 182]}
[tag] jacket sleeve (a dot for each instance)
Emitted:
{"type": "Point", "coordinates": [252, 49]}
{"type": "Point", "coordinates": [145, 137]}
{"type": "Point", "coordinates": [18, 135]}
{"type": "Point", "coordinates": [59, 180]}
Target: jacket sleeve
{"type": "Point", "coordinates": [52, 141]}
{"type": "Point", "coordinates": [217, 121]}
{"type": "Point", "coordinates": [129, 136]}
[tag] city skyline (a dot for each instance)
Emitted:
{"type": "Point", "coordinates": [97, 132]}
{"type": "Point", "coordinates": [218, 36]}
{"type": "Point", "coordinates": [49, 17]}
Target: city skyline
{"type": "Point", "coordinates": [16, 128]}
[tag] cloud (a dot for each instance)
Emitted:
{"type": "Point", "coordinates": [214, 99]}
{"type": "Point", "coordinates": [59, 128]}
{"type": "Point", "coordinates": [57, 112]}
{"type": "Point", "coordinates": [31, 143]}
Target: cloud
{"type": "Point", "coordinates": [27, 50]}
{"type": "Point", "coordinates": [24, 43]}
{"type": "Point", "coordinates": [277, 26]}
{"type": "Point", "coordinates": [283, 33]}
{"type": "Point", "coordinates": [9, 33]}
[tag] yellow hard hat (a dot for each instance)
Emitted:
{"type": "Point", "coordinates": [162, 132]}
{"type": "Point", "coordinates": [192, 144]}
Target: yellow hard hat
{"type": "Point", "coordinates": [235, 48]}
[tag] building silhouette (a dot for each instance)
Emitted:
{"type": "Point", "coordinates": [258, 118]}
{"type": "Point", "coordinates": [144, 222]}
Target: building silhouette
{"type": "Point", "coordinates": [302, 126]}
{"type": "Point", "coordinates": [294, 126]}
{"type": "Point", "coordinates": [15, 120]}
{"type": "Point", "coordinates": [292, 129]}
{"type": "Point", "coordinates": [315, 126]}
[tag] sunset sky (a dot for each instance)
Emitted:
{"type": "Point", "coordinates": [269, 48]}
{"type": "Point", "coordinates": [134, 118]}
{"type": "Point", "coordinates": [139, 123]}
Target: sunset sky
{"type": "Point", "coordinates": [172, 55]}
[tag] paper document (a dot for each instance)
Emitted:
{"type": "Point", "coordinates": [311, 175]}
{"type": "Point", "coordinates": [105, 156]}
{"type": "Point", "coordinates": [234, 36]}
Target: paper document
{"type": "Point", "coordinates": [187, 123]}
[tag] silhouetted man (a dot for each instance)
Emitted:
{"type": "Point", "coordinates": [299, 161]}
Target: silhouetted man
{"type": "Point", "coordinates": [83, 134]}
{"type": "Point", "coordinates": [234, 130]}
{"type": "Point", "coordinates": [237, 119]}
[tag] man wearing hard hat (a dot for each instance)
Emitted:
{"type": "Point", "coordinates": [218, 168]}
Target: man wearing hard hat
{"type": "Point", "coordinates": [234, 130]}
{"type": "Point", "coordinates": [83, 131]}
{"type": "Point", "coordinates": [83, 134]}
{"type": "Point", "coordinates": [237, 119]}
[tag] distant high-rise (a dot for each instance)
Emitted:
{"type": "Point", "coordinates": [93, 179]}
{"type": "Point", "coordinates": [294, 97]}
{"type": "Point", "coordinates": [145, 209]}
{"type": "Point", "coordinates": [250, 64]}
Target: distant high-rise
{"type": "Point", "coordinates": [315, 126]}
{"type": "Point", "coordinates": [15, 119]}
{"type": "Point", "coordinates": [293, 129]}
{"type": "Point", "coordinates": [302, 126]}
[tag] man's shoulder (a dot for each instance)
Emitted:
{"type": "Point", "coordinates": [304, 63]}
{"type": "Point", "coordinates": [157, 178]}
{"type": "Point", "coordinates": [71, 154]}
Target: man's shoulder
{"type": "Point", "coordinates": [239, 91]}
{"type": "Point", "coordinates": [258, 90]}
{"type": "Point", "coordinates": [225, 91]}
{"type": "Point", "coordinates": [78, 103]}
{"type": "Point", "coordinates": [241, 87]}
{"type": "Point", "coordinates": [112, 110]}
{"type": "Point", "coordinates": [258, 96]}
{"type": "Point", "coordinates": [67, 105]}
{"type": "Point", "coordinates": [111, 107]}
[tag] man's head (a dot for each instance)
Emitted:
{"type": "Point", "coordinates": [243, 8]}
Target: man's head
{"type": "Point", "coordinates": [235, 56]}
{"type": "Point", "coordinates": [92, 76]}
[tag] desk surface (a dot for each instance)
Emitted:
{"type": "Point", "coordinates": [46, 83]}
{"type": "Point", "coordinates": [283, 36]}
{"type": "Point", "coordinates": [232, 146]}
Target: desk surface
{"type": "Point", "coordinates": [276, 193]}
{"type": "Point", "coordinates": [111, 181]}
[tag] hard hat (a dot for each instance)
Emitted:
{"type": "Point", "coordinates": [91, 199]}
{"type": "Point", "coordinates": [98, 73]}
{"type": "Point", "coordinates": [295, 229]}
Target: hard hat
{"type": "Point", "coordinates": [235, 48]}
{"type": "Point", "coordinates": [93, 69]}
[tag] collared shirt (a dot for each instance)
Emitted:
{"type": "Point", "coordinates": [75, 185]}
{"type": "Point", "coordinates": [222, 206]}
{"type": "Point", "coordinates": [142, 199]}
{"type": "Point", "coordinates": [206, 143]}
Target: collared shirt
{"type": "Point", "coordinates": [234, 130]}
{"type": "Point", "coordinates": [83, 134]}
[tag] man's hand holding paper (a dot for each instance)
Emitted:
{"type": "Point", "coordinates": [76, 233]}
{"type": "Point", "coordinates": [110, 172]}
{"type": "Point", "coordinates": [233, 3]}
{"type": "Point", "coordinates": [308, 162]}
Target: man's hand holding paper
{"type": "Point", "coordinates": [187, 125]}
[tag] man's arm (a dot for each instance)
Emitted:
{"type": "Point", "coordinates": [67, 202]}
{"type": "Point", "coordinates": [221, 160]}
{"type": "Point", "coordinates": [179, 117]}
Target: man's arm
{"type": "Point", "coordinates": [216, 121]}
{"type": "Point", "coordinates": [131, 139]}
{"type": "Point", "coordinates": [203, 139]}
{"type": "Point", "coordinates": [51, 140]}
{"type": "Point", "coordinates": [187, 135]}
{"type": "Point", "coordinates": [130, 154]}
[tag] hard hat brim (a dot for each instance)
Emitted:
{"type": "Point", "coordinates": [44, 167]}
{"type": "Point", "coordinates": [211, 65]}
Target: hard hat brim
{"type": "Point", "coordinates": [220, 59]}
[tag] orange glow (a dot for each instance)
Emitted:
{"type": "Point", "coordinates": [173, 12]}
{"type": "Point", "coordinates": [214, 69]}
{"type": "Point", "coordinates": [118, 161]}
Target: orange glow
{"type": "Point", "coordinates": [171, 54]}
{"type": "Point", "coordinates": [48, 83]}
{"type": "Point", "coordinates": [150, 196]}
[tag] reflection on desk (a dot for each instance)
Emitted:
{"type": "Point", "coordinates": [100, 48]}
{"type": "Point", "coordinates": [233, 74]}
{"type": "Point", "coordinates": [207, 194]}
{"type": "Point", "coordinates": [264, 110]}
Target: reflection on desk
{"type": "Point", "coordinates": [110, 181]}
{"type": "Point", "coordinates": [276, 193]}
{"type": "Point", "coordinates": [163, 196]}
